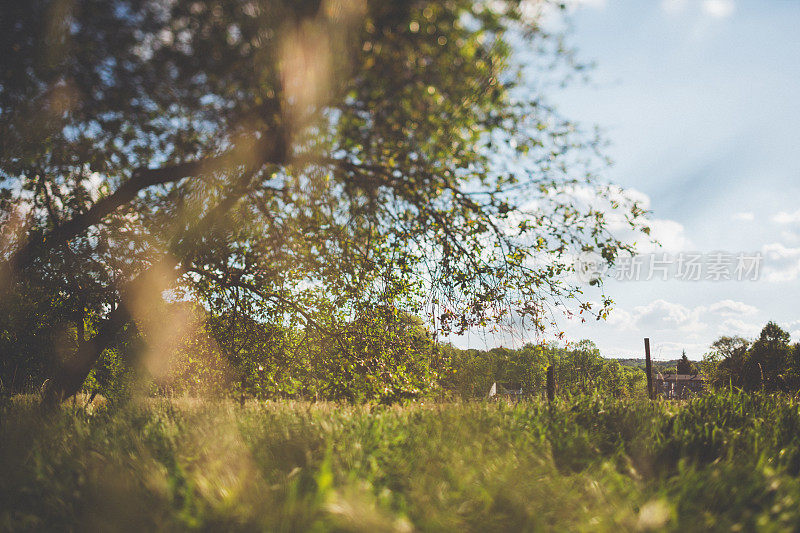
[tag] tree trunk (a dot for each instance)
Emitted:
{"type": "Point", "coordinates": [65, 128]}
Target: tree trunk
{"type": "Point", "coordinates": [73, 373]}
{"type": "Point", "coordinates": [70, 377]}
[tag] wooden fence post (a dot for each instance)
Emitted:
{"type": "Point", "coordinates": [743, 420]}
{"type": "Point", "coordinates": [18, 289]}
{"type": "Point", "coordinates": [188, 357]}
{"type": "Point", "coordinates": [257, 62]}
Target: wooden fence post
{"type": "Point", "coordinates": [648, 368]}
{"type": "Point", "coordinates": [551, 383]}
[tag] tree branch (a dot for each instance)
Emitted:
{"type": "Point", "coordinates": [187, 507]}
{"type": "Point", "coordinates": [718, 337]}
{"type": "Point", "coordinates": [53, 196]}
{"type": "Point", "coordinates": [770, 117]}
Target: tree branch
{"type": "Point", "coordinates": [251, 156]}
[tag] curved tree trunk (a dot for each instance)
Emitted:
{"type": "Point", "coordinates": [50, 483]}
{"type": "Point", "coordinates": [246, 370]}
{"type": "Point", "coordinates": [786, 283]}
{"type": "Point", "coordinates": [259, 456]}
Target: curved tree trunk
{"type": "Point", "coordinates": [73, 373]}
{"type": "Point", "coordinates": [70, 377]}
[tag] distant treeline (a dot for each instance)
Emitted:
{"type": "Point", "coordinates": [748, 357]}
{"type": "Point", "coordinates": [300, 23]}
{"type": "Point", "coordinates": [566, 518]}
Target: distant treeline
{"type": "Point", "coordinates": [579, 368]}
{"type": "Point", "coordinates": [770, 362]}
{"type": "Point", "coordinates": [381, 355]}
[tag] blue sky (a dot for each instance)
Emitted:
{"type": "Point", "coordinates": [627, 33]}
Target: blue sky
{"type": "Point", "coordinates": [700, 100]}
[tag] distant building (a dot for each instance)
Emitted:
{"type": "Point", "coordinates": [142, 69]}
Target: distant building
{"type": "Point", "coordinates": [679, 385]}
{"type": "Point", "coordinates": [509, 391]}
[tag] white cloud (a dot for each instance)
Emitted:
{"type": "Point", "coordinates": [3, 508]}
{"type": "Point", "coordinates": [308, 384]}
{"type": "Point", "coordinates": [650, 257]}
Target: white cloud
{"type": "Point", "coordinates": [670, 234]}
{"type": "Point", "coordinates": [719, 8]}
{"type": "Point", "coordinates": [787, 218]}
{"type": "Point", "coordinates": [790, 237]}
{"type": "Point", "coordinates": [731, 307]}
{"type": "Point", "coordinates": [777, 250]}
{"type": "Point", "coordinates": [661, 315]}
{"type": "Point", "coordinates": [734, 326]}
{"type": "Point", "coordinates": [621, 319]}
{"type": "Point", "coordinates": [595, 4]}
{"type": "Point", "coordinates": [664, 315]}
{"type": "Point", "coordinates": [674, 6]}
{"type": "Point", "coordinates": [780, 263]}
{"type": "Point", "coordinates": [745, 216]}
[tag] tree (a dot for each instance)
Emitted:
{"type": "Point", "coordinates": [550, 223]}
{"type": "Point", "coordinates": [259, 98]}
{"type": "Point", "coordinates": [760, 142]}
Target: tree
{"type": "Point", "coordinates": [770, 354]}
{"type": "Point", "coordinates": [792, 375]}
{"type": "Point", "coordinates": [684, 365]}
{"type": "Point", "coordinates": [381, 355]}
{"type": "Point", "coordinates": [768, 362]}
{"type": "Point", "coordinates": [729, 355]}
{"type": "Point", "coordinates": [294, 161]}
{"type": "Point", "coordinates": [725, 363]}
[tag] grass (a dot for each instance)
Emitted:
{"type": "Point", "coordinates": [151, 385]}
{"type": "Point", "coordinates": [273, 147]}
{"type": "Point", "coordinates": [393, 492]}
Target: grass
{"type": "Point", "coordinates": [724, 462]}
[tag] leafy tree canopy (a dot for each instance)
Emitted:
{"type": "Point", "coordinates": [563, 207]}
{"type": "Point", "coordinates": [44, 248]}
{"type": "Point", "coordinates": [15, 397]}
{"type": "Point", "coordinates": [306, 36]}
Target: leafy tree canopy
{"type": "Point", "coordinates": [296, 162]}
{"type": "Point", "coordinates": [769, 362]}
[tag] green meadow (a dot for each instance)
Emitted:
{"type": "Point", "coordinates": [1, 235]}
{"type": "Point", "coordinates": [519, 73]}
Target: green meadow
{"type": "Point", "coordinates": [725, 461]}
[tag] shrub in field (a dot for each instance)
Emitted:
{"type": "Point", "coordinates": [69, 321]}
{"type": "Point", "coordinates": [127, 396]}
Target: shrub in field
{"type": "Point", "coordinates": [113, 377]}
{"type": "Point", "coordinates": [383, 354]}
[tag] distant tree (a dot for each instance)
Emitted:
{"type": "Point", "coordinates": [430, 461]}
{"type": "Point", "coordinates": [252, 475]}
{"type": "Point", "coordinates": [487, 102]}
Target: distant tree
{"type": "Point", "coordinates": [724, 363]}
{"type": "Point", "coordinates": [585, 365]}
{"type": "Point", "coordinates": [383, 355]}
{"type": "Point", "coordinates": [792, 375]}
{"type": "Point", "coordinates": [769, 362]}
{"type": "Point", "coordinates": [770, 354]}
{"type": "Point", "coordinates": [684, 365]}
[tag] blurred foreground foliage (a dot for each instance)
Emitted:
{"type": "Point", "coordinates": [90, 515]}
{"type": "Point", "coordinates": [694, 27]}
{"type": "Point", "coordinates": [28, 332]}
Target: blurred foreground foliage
{"type": "Point", "coordinates": [724, 461]}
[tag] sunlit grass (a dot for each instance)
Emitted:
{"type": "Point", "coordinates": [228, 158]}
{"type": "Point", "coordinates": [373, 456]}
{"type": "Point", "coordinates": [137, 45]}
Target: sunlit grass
{"type": "Point", "coordinates": [587, 463]}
